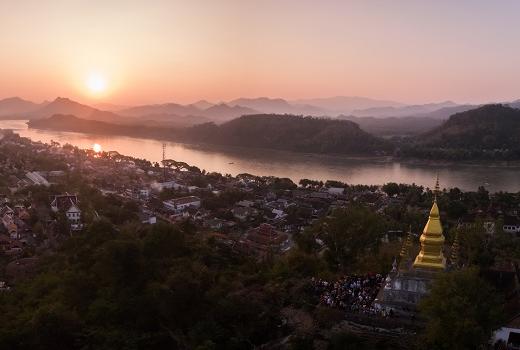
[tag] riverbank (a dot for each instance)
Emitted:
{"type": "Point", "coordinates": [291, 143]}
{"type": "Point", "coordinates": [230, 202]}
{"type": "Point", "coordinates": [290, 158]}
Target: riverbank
{"type": "Point", "coordinates": [148, 133]}
{"type": "Point", "coordinates": [264, 162]}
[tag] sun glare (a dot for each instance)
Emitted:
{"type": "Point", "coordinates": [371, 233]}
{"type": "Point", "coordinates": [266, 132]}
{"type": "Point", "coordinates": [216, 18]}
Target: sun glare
{"type": "Point", "coordinates": [97, 147]}
{"type": "Point", "coordinates": [96, 83]}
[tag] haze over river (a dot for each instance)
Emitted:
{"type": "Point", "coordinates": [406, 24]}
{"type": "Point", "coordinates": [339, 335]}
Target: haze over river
{"type": "Point", "coordinates": [231, 160]}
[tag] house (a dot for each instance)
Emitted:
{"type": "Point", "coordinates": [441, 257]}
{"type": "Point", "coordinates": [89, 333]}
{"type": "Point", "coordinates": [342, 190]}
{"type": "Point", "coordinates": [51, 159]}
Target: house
{"type": "Point", "coordinates": [68, 204]}
{"type": "Point", "coordinates": [192, 188]}
{"type": "Point", "coordinates": [279, 204]}
{"type": "Point", "coordinates": [320, 195]}
{"type": "Point", "coordinates": [245, 203]}
{"type": "Point", "coordinates": [511, 225]}
{"type": "Point", "coordinates": [214, 224]}
{"type": "Point", "coordinates": [147, 217]}
{"type": "Point", "coordinates": [180, 204]}
{"type": "Point", "coordinates": [218, 224]}
{"type": "Point", "coordinates": [336, 191]}
{"type": "Point", "coordinates": [264, 240]}
{"type": "Point", "coordinates": [7, 217]}
{"type": "Point", "coordinates": [167, 185]}
{"type": "Point", "coordinates": [6, 213]}
{"type": "Point", "coordinates": [279, 214]}
{"type": "Point", "coordinates": [37, 179]}
{"type": "Point", "coordinates": [243, 213]}
{"type": "Point", "coordinates": [508, 335]}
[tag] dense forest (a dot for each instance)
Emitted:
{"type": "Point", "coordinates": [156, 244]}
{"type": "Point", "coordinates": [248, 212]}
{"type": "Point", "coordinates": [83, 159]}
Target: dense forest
{"type": "Point", "coordinates": [165, 287]}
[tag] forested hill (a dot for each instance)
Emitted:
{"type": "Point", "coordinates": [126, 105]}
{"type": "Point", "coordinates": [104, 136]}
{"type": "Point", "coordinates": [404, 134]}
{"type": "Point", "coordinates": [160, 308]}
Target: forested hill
{"type": "Point", "coordinates": [487, 127]}
{"type": "Point", "coordinates": [280, 132]}
{"type": "Point", "coordinates": [294, 133]}
{"type": "Point", "coordinates": [491, 131]}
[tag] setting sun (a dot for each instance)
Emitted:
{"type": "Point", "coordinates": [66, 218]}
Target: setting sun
{"type": "Point", "coordinates": [97, 147]}
{"type": "Point", "coordinates": [96, 83]}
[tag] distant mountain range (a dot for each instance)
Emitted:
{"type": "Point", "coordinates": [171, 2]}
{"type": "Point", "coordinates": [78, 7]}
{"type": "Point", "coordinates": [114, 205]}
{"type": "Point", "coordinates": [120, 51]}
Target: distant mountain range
{"type": "Point", "coordinates": [15, 107]}
{"type": "Point", "coordinates": [346, 104]}
{"type": "Point", "coordinates": [401, 111]}
{"type": "Point", "coordinates": [380, 117]}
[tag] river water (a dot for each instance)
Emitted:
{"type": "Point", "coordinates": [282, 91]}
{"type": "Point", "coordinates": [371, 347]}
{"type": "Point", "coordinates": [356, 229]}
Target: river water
{"type": "Point", "coordinates": [232, 160]}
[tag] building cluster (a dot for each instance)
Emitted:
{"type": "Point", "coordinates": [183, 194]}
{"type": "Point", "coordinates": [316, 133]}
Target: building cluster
{"type": "Point", "coordinates": [255, 216]}
{"type": "Point", "coordinates": [249, 215]}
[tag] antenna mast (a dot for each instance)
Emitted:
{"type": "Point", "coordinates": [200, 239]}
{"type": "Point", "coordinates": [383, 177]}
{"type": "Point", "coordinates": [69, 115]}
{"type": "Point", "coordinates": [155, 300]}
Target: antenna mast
{"type": "Point", "coordinates": [163, 162]}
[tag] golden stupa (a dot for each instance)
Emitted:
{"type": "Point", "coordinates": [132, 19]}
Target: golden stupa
{"type": "Point", "coordinates": [432, 240]}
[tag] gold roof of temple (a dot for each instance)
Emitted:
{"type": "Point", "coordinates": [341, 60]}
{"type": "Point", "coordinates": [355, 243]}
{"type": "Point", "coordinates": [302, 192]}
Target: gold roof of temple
{"type": "Point", "coordinates": [433, 226]}
{"type": "Point", "coordinates": [432, 240]}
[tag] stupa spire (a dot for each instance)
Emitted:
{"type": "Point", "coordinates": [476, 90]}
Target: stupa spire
{"type": "Point", "coordinates": [437, 189]}
{"type": "Point", "coordinates": [432, 240]}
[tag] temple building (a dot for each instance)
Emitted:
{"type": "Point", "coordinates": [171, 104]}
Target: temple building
{"type": "Point", "coordinates": [411, 278]}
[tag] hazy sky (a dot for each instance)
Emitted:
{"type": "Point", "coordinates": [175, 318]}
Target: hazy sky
{"type": "Point", "coordinates": [158, 51]}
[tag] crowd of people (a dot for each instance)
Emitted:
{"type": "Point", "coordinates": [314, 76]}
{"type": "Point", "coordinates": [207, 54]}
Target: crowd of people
{"type": "Point", "coordinates": [350, 293]}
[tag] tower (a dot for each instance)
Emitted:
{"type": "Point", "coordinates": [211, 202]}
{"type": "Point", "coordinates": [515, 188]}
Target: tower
{"type": "Point", "coordinates": [432, 240]}
{"type": "Point", "coordinates": [163, 162]}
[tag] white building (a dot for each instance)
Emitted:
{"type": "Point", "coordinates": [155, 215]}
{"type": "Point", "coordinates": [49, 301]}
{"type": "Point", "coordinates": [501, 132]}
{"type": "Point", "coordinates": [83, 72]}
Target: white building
{"type": "Point", "coordinates": [159, 186]}
{"type": "Point", "coordinates": [336, 191]}
{"type": "Point", "coordinates": [180, 204]}
{"type": "Point", "coordinates": [509, 334]}
{"type": "Point", "coordinates": [74, 216]}
{"type": "Point", "coordinates": [511, 225]}
{"type": "Point", "coordinates": [512, 228]}
{"type": "Point", "coordinates": [68, 204]}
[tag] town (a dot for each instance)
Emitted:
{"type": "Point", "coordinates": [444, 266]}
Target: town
{"type": "Point", "coordinates": [52, 192]}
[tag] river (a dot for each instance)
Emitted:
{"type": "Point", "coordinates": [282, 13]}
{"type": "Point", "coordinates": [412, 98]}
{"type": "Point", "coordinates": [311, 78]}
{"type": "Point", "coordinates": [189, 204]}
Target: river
{"type": "Point", "coordinates": [231, 160]}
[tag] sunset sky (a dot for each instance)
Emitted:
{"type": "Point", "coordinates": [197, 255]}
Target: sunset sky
{"type": "Point", "coordinates": [130, 52]}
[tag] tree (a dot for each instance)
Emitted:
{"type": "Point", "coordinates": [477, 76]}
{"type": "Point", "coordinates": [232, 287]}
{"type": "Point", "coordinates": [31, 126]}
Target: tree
{"type": "Point", "coordinates": [391, 189]}
{"type": "Point", "coordinates": [461, 311]}
{"type": "Point", "coordinates": [350, 234]}
{"type": "Point", "coordinates": [310, 183]}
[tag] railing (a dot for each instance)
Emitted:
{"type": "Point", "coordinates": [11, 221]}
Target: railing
{"type": "Point", "coordinates": [388, 323]}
